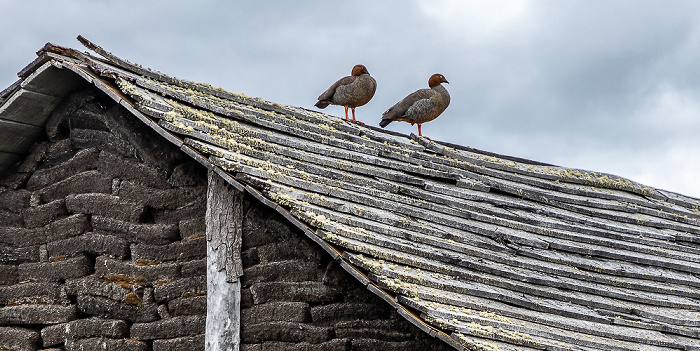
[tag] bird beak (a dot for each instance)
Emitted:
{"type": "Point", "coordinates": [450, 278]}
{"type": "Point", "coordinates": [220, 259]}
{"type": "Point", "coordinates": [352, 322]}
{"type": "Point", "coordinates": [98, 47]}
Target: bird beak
{"type": "Point", "coordinates": [446, 81]}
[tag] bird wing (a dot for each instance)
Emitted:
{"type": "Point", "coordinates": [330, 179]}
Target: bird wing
{"type": "Point", "coordinates": [328, 94]}
{"type": "Point", "coordinates": [400, 108]}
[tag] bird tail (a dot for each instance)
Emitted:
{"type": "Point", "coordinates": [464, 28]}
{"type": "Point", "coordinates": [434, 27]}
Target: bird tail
{"type": "Point", "coordinates": [385, 122]}
{"type": "Point", "coordinates": [323, 104]}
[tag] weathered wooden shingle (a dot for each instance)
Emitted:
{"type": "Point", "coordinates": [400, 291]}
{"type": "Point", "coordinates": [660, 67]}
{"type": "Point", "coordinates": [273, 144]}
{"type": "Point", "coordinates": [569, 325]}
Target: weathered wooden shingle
{"type": "Point", "coordinates": [483, 251]}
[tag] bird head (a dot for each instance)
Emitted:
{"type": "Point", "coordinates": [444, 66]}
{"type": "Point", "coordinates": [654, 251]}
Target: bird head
{"type": "Point", "coordinates": [436, 79]}
{"type": "Point", "coordinates": [359, 70]}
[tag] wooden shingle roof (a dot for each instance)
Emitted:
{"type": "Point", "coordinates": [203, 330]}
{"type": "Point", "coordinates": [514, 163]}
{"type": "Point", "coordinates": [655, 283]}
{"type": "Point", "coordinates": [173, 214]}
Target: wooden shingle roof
{"type": "Point", "coordinates": [484, 251]}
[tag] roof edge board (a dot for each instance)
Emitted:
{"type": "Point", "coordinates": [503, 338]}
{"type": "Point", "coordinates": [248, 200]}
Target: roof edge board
{"type": "Point", "coordinates": [478, 151]}
{"type": "Point", "coordinates": [5, 93]}
{"type": "Point", "coordinates": [35, 74]}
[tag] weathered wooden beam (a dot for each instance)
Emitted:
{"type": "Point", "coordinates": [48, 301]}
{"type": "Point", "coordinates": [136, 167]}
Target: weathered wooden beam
{"type": "Point", "coordinates": [29, 107]}
{"type": "Point", "coordinates": [18, 138]}
{"type": "Point", "coordinates": [224, 227]}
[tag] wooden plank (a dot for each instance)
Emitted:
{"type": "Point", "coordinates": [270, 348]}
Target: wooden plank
{"type": "Point", "coordinates": [224, 223]}
{"type": "Point", "coordinates": [7, 92]}
{"type": "Point", "coordinates": [29, 107]}
{"type": "Point", "coordinates": [17, 137]}
{"type": "Point", "coordinates": [51, 80]}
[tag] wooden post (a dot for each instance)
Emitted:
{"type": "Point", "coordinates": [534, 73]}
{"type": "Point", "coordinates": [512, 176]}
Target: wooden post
{"type": "Point", "coordinates": [224, 224]}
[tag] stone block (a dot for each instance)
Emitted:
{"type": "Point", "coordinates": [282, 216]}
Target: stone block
{"type": "Point", "coordinates": [15, 200]}
{"type": "Point", "coordinates": [19, 255]}
{"type": "Point", "coordinates": [289, 249]}
{"type": "Point", "coordinates": [163, 312]}
{"type": "Point", "coordinates": [285, 331]}
{"type": "Point", "coordinates": [104, 205]}
{"type": "Point", "coordinates": [106, 266]}
{"type": "Point", "coordinates": [170, 199]}
{"type": "Point", "coordinates": [150, 147]}
{"type": "Point", "coordinates": [250, 257]}
{"type": "Point", "coordinates": [83, 328]}
{"type": "Point", "coordinates": [57, 152]}
{"type": "Point", "coordinates": [251, 347]}
{"type": "Point", "coordinates": [102, 343]}
{"type": "Point", "coordinates": [333, 345]}
{"type": "Point", "coordinates": [254, 233]}
{"type": "Point", "coordinates": [188, 173]}
{"type": "Point", "coordinates": [32, 160]}
{"type": "Point", "coordinates": [276, 311]}
{"type": "Point", "coordinates": [102, 140]}
{"type": "Point", "coordinates": [8, 235]}
{"type": "Point", "coordinates": [246, 299]}
{"type": "Point", "coordinates": [169, 328]}
{"type": "Point", "coordinates": [194, 268]}
{"type": "Point", "coordinates": [91, 243]}
{"type": "Point", "coordinates": [37, 314]}
{"type": "Point", "coordinates": [82, 161]}
{"type": "Point", "coordinates": [180, 288]}
{"type": "Point", "coordinates": [192, 228]}
{"type": "Point", "coordinates": [8, 274]}
{"type": "Point", "coordinates": [56, 270]}
{"type": "Point", "coordinates": [108, 308]}
{"type": "Point", "coordinates": [156, 234]}
{"type": "Point", "coordinates": [285, 271]}
{"type": "Point", "coordinates": [18, 339]}
{"type": "Point", "coordinates": [85, 182]}
{"type": "Point", "coordinates": [131, 169]}
{"type": "Point", "coordinates": [333, 313]}
{"type": "Point", "coordinates": [90, 117]}
{"type": "Point", "coordinates": [186, 343]}
{"type": "Point", "coordinates": [60, 229]}
{"type": "Point", "coordinates": [44, 293]}
{"type": "Point", "coordinates": [114, 287]}
{"type": "Point", "coordinates": [337, 276]}
{"type": "Point", "coordinates": [42, 215]}
{"type": "Point", "coordinates": [58, 124]}
{"type": "Point", "coordinates": [10, 219]}
{"type": "Point", "coordinates": [13, 180]}
{"type": "Point", "coordinates": [373, 344]}
{"type": "Point", "coordinates": [196, 305]}
{"type": "Point", "coordinates": [294, 291]}
{"type": "Point", "coordinates": [371, 329]}
{"type": "Point", "coordinates": [185, 250]}
{"type": "Point", "coordinates": [195, 209]}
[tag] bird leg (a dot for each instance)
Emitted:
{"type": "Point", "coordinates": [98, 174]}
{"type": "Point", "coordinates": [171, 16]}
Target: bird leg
{"type": "Point", "coordinates": [346, 113]}
{"type": "Point", "coordinates": [420, 134]}
{"type": "Point", "coordinates": [353, 116]}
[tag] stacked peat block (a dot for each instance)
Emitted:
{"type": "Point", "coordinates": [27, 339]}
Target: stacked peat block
{"type": "Point", "coordinates": [102, 241]}
{"type": "Point", "coordinates": [295, 297]}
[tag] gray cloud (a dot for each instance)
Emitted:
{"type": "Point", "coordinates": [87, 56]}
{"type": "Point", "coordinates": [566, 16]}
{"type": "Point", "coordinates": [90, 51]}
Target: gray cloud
{"type": "Point", "coordinates": [599, 85]}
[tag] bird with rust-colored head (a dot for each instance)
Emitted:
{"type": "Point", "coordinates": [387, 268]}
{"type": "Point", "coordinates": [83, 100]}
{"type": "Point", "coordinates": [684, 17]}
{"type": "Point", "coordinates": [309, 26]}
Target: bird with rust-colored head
{"type": "Point", "coordinates": [421, 106]}
{"type": "Point", "coordinates": [351, 91]}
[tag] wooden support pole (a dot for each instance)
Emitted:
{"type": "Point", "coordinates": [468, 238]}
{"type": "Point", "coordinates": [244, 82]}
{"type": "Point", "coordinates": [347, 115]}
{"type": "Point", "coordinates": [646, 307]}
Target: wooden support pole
{"type": "Point", "coordinates": [224, 224]}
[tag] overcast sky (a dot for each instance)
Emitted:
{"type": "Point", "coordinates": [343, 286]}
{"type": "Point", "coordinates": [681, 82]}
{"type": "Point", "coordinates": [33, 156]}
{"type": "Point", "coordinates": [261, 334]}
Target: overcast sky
{"type": "Point", "coordinates": [607, 86]}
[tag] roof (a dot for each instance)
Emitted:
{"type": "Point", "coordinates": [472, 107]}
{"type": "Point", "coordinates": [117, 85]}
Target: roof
{"type": "Point", "coordinates": [484, 251]}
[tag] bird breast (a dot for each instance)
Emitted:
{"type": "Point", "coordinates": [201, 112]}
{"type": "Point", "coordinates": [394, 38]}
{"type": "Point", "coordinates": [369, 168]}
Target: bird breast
{"type": "Point", "coordinates": [357, 93]}
{"type": "Point", "coordinates": [427, 109]}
